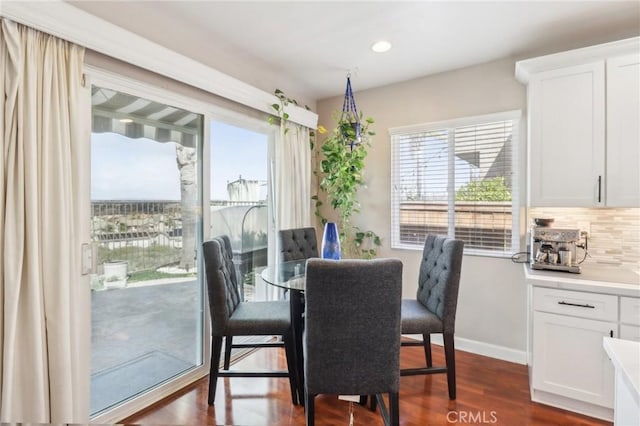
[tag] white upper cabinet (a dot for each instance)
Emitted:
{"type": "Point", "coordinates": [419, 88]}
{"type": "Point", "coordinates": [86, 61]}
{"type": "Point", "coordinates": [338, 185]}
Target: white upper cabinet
{"type": "Point", "coordinates": [567, 136]}
{"type": "Point", "coordinates": [584, 126]}
{"type": "Point", "coordinates": [623, 131]}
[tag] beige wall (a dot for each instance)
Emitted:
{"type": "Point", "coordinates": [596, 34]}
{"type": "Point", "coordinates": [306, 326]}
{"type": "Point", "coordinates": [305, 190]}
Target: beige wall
{"type": "Point", "coordinates": [492, 301]}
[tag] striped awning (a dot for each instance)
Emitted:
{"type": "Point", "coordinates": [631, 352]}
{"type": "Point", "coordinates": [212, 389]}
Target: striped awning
{"type": "Point", "coordinates": [134, 117]}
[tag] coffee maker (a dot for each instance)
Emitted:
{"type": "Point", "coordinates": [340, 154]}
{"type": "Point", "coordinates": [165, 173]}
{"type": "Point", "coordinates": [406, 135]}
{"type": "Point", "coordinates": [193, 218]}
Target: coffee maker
{"type": "Point", "coordinates": [555, 249]}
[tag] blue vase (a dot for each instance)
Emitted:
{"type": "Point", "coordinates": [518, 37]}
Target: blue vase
{"type": "Point", "coordinates": [331, 242]}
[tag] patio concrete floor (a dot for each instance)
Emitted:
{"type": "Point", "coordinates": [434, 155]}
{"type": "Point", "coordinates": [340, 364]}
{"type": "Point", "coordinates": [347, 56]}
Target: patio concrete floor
{"type": "Point", "coordinates": [140, 335]}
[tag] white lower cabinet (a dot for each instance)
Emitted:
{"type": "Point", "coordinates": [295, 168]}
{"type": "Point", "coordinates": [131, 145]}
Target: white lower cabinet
{"type": "Point", "coordinates": [630, 318]}
{"type": "Point", "coordinates": [569, 367]}
{"type": "Point", "coordinates": [630, 332]}
{"type": "Point", "coordinates": [569, 359]}
{"type": "Point", "coordinates": [630, 310]}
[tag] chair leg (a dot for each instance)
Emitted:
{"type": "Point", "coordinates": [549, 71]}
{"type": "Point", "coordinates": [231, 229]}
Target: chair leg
{"type": "Point", "coordinates": [426, 342]}
{"type": "Point", "coordinates": [394, 409]}
{"type": "Point", "coordinates": [216, 348]}
{"type": "Point", "coordinates": [309, 408]}
{"type": "Point", "coordinates": [228, 344]}
{"type": "Point", "coordinates": [291, 366]}
{"type": "Point", "coordinates": [374, 402]}
{"type": "Point", "coordinates": [450, 357]}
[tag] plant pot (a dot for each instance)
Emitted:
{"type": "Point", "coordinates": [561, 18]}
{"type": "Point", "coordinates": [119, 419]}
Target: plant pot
{"type": "Point", "coordinates": [115, 274]}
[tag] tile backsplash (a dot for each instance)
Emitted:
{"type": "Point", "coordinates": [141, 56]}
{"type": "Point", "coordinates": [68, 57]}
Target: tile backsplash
{"type": "Point", "coordinates": [614, 233]}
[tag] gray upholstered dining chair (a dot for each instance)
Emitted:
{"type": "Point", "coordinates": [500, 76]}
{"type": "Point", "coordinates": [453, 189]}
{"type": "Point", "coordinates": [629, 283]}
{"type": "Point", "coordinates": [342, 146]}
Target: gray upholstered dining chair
{"type": "Point", "coordinates": [352, 331]}
{"type": "Point", "coordinates": [434, 309]}
{"type": "Point", "coordinates": [295, 244]}
{"type": "Point", "coordinates": [298, 244]}
{"type": "Point", "coordinates": [232, 317]}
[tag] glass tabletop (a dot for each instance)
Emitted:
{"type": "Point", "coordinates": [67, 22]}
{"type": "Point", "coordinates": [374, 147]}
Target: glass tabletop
{"type": "Point", "coordinates": [289, 275]}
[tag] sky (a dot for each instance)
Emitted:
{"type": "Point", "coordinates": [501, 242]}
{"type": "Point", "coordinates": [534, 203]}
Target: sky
{"type": "Point", "coordinates": [142, 169]}
{"type": "Point", "coordinates": [133, 169]}
{"type": "Point", "coordinates": [236, 151]}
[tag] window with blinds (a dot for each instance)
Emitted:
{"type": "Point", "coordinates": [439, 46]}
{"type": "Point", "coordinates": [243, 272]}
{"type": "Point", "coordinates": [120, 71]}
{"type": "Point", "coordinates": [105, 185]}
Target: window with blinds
{"type": "Point", "coordinates": [457, 179]}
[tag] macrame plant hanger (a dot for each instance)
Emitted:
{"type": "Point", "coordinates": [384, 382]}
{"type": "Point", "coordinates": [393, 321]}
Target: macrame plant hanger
{"type": "Point", "coordinates": [350, 114]}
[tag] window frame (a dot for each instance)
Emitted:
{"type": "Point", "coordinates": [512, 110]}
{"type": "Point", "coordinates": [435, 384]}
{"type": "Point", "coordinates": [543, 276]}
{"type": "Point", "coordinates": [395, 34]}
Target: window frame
{"type": "Point", "coordinates": [515, 116]}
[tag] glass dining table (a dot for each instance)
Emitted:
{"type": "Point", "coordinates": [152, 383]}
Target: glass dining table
{"type": "Point", "coordinates": [291, 276]}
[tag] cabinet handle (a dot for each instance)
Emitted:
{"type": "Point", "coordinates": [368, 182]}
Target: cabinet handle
{"type": "Point", "coordinates": [576, 304]}
{"type": "Point", "coordinates": [610, 333]}
{"type": "Point", "coordinates": [600, 188]}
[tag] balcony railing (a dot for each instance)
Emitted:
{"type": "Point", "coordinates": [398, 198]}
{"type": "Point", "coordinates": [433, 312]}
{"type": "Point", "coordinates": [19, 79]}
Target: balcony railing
{"type": "Point", "coordinates": [148, 234]}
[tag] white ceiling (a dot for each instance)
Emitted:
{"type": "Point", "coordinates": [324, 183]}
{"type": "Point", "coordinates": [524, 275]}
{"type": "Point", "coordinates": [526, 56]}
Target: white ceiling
{"type": "Point", "coordinates": [306, 48]}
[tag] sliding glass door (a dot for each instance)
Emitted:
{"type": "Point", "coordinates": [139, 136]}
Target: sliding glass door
{"type": "Point", "coordinates": [239, 164]}
{"type": "Point", "coordinates": [167, 172]}
{"type": "Point", "coordinates": [147, 292]}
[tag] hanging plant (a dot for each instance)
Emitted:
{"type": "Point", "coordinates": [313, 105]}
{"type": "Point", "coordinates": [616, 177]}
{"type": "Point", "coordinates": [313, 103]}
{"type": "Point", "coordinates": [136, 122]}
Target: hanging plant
{"type": "Point", "coordinates": [341, 175]}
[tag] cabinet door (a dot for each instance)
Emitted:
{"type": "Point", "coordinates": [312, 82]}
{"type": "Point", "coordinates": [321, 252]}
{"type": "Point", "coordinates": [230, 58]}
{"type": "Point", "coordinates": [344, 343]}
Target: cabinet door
{"type": "Point", "coordinates": [623, 131]}
{"type": "Point", "coordinates": [566, 146]}
{"type": "Point", "coordinates": [630, 332]}
{"type": "Point", "coordinates": [630, 310]}
{"type": "Point", "coordinates": [569, 360]}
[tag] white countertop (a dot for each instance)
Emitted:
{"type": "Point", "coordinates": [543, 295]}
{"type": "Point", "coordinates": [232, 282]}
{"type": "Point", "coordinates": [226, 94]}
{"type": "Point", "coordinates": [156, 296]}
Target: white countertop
{"type": "Point", "coordinates": [625, 356]}
{"type": "Point", "coordinates": [594, 278]}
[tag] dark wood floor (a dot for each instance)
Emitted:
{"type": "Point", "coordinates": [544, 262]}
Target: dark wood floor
{"type": "Point", "coordinates": [490, 391]}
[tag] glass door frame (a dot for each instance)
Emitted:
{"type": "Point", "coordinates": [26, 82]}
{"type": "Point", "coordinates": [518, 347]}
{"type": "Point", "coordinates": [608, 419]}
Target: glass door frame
{"type": "Point", "coordinates": [98, 77]}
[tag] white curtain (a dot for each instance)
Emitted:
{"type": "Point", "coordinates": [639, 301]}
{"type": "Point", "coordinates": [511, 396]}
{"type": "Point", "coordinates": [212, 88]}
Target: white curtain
{"type": "Point", "coordinates": [290, 186]}
{"type": "Point", "coordinates": [44, 216]}
{"type": "Point", "coordinates": [293, 178]}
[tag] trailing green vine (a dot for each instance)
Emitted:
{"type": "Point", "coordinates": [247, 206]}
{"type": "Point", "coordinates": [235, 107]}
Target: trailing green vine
{"type": "Point", "coordinates": [281, 116]}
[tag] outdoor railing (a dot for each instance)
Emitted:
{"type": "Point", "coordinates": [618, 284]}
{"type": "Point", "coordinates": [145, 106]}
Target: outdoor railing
{"type": "Point", "coordinates": [147, 234]}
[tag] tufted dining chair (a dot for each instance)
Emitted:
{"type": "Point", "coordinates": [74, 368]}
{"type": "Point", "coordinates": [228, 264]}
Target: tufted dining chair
{"type": "Point", "coordinates": [298, 244]}
{"type": "Point", "coordinates": [434, 308]}
{"type": "Point", "coordinates": [351, 340]}
{"type": "Point", "coordinates": [295, 244]}
{"type": "Point", "coordinates": [231, 316]}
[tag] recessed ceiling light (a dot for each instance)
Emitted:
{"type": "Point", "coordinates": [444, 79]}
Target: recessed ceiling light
{"type": "Point", "coordinates": [381, 46]}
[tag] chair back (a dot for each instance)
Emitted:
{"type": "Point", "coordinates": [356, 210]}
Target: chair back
{"type": "Point", "coordinates": [222, 282]}
{"type": "Point", "coordinates": [352, 326]}
{"type": "Point", "coordinates": [298, 244]}
{"type": "Point", "coordinates": [439, 278]}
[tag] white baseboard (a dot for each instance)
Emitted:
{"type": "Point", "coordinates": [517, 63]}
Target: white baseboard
{"type": "Point", "coordinates": [481, 348]}
{"type": "Point", "coordinates": [574, 405]}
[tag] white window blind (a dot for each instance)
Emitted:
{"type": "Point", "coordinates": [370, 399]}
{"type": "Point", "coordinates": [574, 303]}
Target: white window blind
{"type": "Point", "coordinates": [457, 179]}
